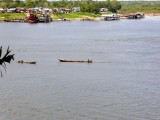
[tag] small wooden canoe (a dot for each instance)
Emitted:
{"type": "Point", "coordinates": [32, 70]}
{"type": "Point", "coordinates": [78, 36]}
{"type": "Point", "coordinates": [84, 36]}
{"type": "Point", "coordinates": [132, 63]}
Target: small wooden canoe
{"type": "Point", "coordinates": [27, 62]}
{"type": "Point", "coordinates": [81, 61]}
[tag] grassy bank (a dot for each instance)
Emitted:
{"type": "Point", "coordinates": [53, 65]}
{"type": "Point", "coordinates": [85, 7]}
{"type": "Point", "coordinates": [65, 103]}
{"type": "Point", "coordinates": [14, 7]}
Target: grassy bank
{"type": "Point", "coordinates": [74, 15]}
{"type": "Point", "coordinates": [11, 16]}
{"type": "Point", "coordinates": [140, 6]}
{"type": "Point", "coordinates": [54, 16]}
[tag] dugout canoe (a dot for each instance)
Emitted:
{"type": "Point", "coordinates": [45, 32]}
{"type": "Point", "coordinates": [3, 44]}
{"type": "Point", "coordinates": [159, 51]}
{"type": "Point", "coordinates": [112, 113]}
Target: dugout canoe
{"type": "Point", "coordinates": [80, 61]}
{"type": "Point", "coordinates": [27, 62]}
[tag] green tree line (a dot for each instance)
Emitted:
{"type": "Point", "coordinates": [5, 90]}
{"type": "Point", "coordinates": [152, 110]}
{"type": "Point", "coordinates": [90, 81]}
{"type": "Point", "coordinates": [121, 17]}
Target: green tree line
{"type": "Point", "coordinates": [85, 5]}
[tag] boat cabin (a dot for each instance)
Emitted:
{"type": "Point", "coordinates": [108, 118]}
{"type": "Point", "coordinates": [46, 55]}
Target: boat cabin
{"type": "Point", "coordinates": [45, 18]}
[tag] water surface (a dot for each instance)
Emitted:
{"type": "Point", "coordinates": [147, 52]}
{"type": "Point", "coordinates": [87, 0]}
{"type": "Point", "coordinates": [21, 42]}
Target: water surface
{"type": "Point", "coordinates": [122, 83]}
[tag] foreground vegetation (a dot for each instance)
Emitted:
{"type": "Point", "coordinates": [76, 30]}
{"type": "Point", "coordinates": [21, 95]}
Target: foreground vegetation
{"type": "Point", "coordinates": [6, 58]}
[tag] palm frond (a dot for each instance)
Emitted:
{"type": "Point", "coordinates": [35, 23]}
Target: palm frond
{"type": "Point", "coordinates": [5, 59]}
{"type": "Point", "coordinates": [0, 51]}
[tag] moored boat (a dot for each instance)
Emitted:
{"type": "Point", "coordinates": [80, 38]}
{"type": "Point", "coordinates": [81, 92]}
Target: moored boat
{"type": "Point", "coordinates": [135, 16]}
{"type": "Point", "coordinates": [110, 17]}
{"type": "Point", "coordinates": [32, 18]}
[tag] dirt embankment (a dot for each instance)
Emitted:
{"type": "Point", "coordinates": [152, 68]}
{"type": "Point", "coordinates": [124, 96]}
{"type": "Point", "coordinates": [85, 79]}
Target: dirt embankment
{"type": "Point", "coordinates": [152, 14]}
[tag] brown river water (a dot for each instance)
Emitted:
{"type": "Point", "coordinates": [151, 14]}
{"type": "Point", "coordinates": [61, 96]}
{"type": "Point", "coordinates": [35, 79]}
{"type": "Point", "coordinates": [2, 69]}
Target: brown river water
{"type": "Point", "coordinates": [122, 83]}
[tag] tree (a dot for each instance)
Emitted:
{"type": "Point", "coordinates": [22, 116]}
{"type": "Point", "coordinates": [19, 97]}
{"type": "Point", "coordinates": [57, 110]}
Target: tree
{"type": "Point", "coordinates": [91, 8]}
{"type": "Point", "coordinates": [41, 3]}
{"type": "Point", "coordinates": [30, 3]}
{"type": "Point", "coordinates": [18, 2]}
{"type": "Point", "coordinates": [6, 58]}
{"type": "Point", "coordinates": [115, 5]}
{"type": "Point", "coordinates": [46, 5]}
{"type": "Point", "coordinates": [3, 4]}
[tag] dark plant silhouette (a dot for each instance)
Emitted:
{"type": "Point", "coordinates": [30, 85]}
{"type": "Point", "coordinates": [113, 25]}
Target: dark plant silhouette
{"type": "Point", "coordinates": [5, 59]}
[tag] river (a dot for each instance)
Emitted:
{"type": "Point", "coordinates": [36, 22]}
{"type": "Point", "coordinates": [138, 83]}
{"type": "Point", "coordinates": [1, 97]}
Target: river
{"type": "Point", "coordinates": [122, 83]}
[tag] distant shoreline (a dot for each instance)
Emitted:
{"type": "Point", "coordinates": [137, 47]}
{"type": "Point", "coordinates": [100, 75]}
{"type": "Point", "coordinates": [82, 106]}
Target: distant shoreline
{"type": "Point", "coordinates": [92, 18]}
